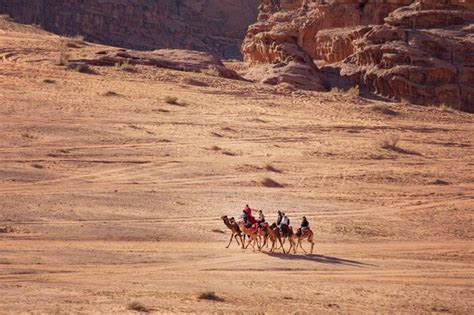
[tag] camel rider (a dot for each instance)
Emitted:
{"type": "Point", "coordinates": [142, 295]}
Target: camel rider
{"type": "Point", "coordinates": [261, 218]}
{"type": "Point", "coordinates": [304, 225]}
{"type": "Point", "coordinates": [250, 218]}
{"type": "Point", "coordinates": [244, 216]}
{"type": "Point", "coordinates": [285, 222]}
{"type": "Point", "coordinates": [279, 218]}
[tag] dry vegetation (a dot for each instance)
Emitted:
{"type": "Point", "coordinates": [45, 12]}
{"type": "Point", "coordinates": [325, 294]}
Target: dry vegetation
{"type": "Point", "coordinates": [139, 307]}
{"type": "Point", "coordinates": [126, 66]}
{"type": "Point", "coordinates": [389, 141]}
{"type": "Point", "coordinates": [210, 296]}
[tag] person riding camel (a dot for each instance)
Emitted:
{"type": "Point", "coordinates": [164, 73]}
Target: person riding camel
{"type": "Point", "coordinates": [261, 218]}
{"type": "Point", "coordinates": [244, 216]}
{"type": "Point", "coordinates": [250, 218]}
{"type": "Point", "coordinates": [284, 224]}
{"type": "Point", "coordinates": [304, 225]}
{"type": "Point", "coordinates": [279, 218]}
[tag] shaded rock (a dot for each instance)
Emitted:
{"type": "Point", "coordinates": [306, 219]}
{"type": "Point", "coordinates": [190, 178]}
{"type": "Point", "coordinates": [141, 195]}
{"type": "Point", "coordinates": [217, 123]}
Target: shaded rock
{"type": "Point", "coordinates": [176, 59]}
{"type": "Point", "coordinates": [216, 26]}
{"type": "Point", "coordinates": [298, 74]}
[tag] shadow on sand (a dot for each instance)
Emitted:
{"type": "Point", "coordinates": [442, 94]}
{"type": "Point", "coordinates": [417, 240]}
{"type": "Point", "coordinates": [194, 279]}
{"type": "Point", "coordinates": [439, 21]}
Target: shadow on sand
{"type": "Point", "coordinates": [320, 259]}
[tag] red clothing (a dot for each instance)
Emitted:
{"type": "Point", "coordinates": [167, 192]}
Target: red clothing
{"type": "Point", "coordinates": [249, 215]}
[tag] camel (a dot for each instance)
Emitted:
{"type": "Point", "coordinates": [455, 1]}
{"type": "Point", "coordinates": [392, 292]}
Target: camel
{"type": "Point", "coordinates": [251, 233]}
{"type": "Point", "coordinates": [289, 235]}
{"type": "Point", "coordinates": [262, 233]}
{"type": "Point", "coordinates": [273, 233]}
{"type": "Point", "coordinates": [308, 235]}
{"type": "Point", "coordinates": [234, 230]}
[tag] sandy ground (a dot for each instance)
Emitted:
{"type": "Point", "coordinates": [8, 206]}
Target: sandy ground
{"type": "Point", "coordinates": [114, 198]}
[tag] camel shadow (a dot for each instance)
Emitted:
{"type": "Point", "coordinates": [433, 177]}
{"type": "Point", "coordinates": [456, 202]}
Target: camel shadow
{"type": "Point", "coordinates": [322, 259]}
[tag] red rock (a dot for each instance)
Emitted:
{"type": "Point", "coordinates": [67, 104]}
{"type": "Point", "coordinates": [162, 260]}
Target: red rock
{"type": "Point", "coordinates": [422, 52]}
{"type": "Point", "coordinates": [216, 26]}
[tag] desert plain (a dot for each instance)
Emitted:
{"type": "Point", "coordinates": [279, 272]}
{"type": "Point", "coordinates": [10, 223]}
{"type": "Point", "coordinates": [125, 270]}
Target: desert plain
{"type": "Point", "coordinates": [112, 185]}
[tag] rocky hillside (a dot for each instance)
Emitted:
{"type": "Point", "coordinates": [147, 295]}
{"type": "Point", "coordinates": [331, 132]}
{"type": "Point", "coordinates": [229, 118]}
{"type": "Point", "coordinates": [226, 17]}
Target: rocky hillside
{"type": "Point", "coordinates": [216, 26]}
{"type": "Point", "coordinates": [419, 51]}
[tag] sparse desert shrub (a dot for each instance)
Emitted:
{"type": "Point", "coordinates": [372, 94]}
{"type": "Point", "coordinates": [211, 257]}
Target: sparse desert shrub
{"type": "Point", "coordinates": [218, 231]}
{"type": "Point", "coordinates": [212, 70]}
{"type": "Point", "coordinates": [445, 108]}
{"type": "Point", "coordinates": [27, 135]}
{"type": "Point", "coordinates": [268, 182]}
{"type": "Point", "coordinates": [353, 91]}
{"type": "Point", "coordinates": [384, 110]}
{"type": "Point", "coordinates": [271, 168]}
{"type": "Point", "coordinates": [75, 41]}
{"type": "Point", "coordinates": [171, 100]}
{"type": "Point", "coordinates": [285, 86]}
{"type": "Point", "coordinates": [216, 134]}
{"type": "Point", "coordinates": [110, 93]}
{"type": "Point", "coordinates": [138, 307]}
{"type": "Point", "coordinates": [190, 81]}
{"type": "Point", "coordinates": [405, 101]}
{"type": "Point", "coordinates": [210, 296]}
{"type": "Point", "coordinates": [390, 141]}
{"type": "Point", "coordinates": [126, 66]}
{"type": "Point", "coordinates": [81, 67]}
{"type": "Point", "coordinates": [6, 229]}
{"type": "Point", "coordinates": [215, 148]}
{"type": "Point", "coordinates": [63, 56]}
{"type": "Point", "coordinates": [49, 81]}
{"type": "Point", "coordinates": [229, 153]}
{"type": "Point", "coordinates": [6, 17]}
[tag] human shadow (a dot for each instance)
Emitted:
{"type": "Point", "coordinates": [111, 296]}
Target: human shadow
{"type": "Point", "coordinates": [322, 259]}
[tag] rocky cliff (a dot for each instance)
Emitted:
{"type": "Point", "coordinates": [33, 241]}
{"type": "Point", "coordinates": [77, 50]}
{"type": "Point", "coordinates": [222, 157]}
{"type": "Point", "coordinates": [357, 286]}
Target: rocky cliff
{"type": "Point", "coordinates": [217, 26]}
{"type": "Point", "coordinates": [421, 51]}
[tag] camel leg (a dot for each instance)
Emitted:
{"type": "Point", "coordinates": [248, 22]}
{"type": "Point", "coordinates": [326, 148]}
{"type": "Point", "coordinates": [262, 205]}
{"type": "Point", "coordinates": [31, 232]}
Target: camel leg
{"type": "Point", "coordinates": [301, 245]}
{"type": "Point", "coordinates": [312, 243]}
{"type": "Point", "coordinates": [230, 241]}
{"type": "Point", "coordinates": [292, 245]}
{"type": "Point", "coordinates": [265, 241]}
{"type": "Point", "coordinates": [248, 243]}
{"type": "Point", "coordinates": [283, 248]}
{"type": "Point", "coordinates": [236, 239]}
{"type": "Point", "coordinates": [241, 241]}
{"type": "Point", "coordinates": [255, 241]}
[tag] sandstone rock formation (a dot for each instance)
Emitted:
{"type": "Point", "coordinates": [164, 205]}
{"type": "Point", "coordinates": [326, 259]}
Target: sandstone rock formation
{"type": "Point", "coordinates": [176, 59]}
{"type": "Point", "coordinates": [216, 26]}
{"type": "Point", "coordinates": [421, 51]}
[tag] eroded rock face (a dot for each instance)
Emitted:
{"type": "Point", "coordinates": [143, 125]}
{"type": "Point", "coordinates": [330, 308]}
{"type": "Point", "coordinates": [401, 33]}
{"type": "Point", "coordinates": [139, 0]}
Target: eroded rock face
{"type": "Point", "coordinates": [421, 51]}
{"type": "Point", "coordinates": [424, 53]}
{"type": "Point", "coordinates": [216, 26]}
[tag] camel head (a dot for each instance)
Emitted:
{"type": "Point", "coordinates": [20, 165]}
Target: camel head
{"type": "Point", "coordinates": [273, 226]}
{"type": "Point", "coordinates": [224, 217]}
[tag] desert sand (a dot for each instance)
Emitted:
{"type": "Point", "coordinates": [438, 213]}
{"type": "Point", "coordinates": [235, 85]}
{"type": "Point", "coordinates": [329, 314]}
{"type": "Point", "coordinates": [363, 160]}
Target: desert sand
{"type": "Point", "coordinates": [110, 195]}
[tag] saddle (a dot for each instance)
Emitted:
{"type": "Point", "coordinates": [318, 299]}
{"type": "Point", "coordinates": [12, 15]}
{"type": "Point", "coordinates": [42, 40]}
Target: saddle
{"type": "Point", "coordinates": [299, 232]}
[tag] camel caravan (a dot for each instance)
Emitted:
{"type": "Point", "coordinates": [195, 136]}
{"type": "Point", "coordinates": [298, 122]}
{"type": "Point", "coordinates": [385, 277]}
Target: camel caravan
{"type": "Point", "coordinates": [260, 233]}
